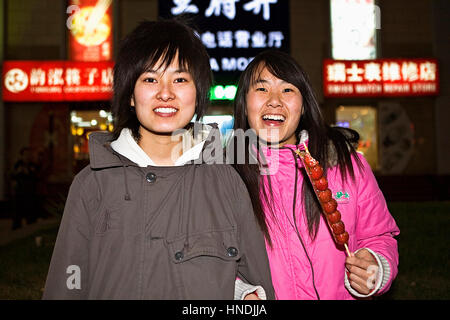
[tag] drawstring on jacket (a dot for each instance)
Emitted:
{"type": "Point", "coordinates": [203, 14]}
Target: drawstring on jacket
{"type": "Point", "coordinates": [127, 196]}
{"type": "Point", "coordinates": [127, 193]}
{"type": "Point", "coordinates": [296, 158]}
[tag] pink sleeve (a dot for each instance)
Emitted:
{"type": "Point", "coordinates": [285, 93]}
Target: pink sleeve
{"type": "Point", "coordinates": [375, 226]}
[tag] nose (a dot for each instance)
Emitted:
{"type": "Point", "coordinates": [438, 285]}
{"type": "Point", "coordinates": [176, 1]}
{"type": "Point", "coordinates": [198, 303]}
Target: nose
{"type": "Point", "coordinates": [165, 92]}
{"type": "Point", "coordinates": [274, 100]}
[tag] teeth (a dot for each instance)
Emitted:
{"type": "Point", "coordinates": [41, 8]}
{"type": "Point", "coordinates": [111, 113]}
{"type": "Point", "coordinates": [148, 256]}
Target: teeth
{"type": "Point", "coordinates": [273, 117]}
{"type": "Point", "coordinates": [165, 110]}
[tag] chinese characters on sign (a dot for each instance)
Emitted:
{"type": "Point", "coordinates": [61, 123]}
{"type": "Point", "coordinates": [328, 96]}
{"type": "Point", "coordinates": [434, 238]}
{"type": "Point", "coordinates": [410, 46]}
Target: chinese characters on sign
{"type": "Point", "coordinates": [242, 39]}
{"type": "Point", "coordinates": [57, 81]}
{"type": "Point", "coordinates": [382, 77]}
{"type": "Point", "coordinates": [225, 7]}
{"type": "Point", "coordinates": [234, 31]}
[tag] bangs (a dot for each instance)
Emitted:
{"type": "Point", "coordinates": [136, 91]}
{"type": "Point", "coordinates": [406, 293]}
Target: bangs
{"type": "Point", "coordinates": [163, 57]}
{"type": "Point", "coordinates": [283, 71]}
{"type": "Point", "coordinates": [255, 73]}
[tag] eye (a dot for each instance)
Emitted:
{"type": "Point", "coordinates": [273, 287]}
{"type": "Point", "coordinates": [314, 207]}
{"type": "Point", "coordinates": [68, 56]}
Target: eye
{"type": "Point", "coordinates": [180, 80]}
{"type": "Point", "coordinates": [262, 89]}
{"type": "Point", "coordinates": [149, 80]}
{"type": "Point", "coordinates": [288, 90]}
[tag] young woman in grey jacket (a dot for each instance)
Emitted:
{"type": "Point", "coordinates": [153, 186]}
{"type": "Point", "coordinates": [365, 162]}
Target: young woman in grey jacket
{"type": "Point", "coordinates": [156, 214]}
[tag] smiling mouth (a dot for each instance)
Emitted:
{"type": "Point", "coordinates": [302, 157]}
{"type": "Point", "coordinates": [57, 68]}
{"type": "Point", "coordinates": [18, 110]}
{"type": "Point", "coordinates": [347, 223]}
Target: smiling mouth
{"type": "Point", "coordinates": [274, 118]}
{"type": "Point", "coordinates": [165, 111]}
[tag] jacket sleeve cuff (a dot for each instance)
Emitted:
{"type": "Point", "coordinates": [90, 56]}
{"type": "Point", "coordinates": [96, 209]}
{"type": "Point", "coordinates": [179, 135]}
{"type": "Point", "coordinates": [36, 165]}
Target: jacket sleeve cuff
{"type": "Point", "coordinates": [384, 272]}
{"type": "Point", "coordinates": [242, 289]}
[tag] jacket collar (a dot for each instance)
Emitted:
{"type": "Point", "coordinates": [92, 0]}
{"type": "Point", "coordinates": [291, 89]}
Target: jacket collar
{"type": "Point", "coordinates": [103, 155]}
{"type": "Point", "coordinates": [128, 147]}
{"type": "Point", "coordinates": [303, 138]}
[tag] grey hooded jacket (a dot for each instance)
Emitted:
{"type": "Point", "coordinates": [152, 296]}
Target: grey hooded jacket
{"type": "Point", "coordinates": [157, 232]}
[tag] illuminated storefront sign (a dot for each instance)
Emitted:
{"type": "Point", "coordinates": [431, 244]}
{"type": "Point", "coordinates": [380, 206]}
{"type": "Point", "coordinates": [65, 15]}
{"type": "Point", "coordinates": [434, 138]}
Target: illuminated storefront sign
{"type": "Point", "coordinates": [235, 31]}
{"type": "Point", "coordinates": [57, 80]}
{"type": "Point", "coordinates": [90, 30]}
{"type": "Point", "coordinates": [353, 29]}
{"type": "Point", "coordinates": [381, 77]}
{"type": "Point", "coordinates": [223, 93]}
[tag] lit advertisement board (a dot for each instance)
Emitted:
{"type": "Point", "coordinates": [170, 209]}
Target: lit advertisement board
{"type": "Point", "coordinates": [234, 31]}
{"type": "Point", "coordinates": [57, 81]}
{"type": "Point", "coordinates": [90, 30]}
{"type": "Point", "coordinates": [380, 77]}
{"type": "Point", "coordinates": [353, 29]}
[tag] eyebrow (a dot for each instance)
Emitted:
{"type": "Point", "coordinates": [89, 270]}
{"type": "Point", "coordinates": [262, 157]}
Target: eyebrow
{"type": "Point", "coordinates": [179, 70]}
{"type": "Point", "coordinates": [259, 80]}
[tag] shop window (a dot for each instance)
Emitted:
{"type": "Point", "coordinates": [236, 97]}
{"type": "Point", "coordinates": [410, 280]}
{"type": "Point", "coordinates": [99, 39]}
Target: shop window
{"type": "Point", "coordinates": [82, 123]}
{"type": "Point", "coordinates": [363, 119]}
{"type": "Point", "coordinates": [353, 29]}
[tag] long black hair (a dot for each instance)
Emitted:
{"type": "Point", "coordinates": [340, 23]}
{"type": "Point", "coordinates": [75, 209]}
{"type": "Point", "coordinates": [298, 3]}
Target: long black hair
{"type": "Point", "coordinates": [148, 43]}
{"type": "Point", "coordinates": [322, 137]}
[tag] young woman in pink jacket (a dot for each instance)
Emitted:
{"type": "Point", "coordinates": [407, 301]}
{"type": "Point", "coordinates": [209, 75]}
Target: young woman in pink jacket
{"type": "Point", "coordinates": [275, 99]}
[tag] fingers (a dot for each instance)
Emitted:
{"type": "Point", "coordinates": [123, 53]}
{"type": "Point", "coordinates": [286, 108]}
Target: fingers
{"type": "Point", "coordinates": [362, 274]}
{"type": "Point", "coordinates": [358, 262]}
{"type": "Point", "coordinates": [363, 258]}
{"type": "Point", "coordinates": [359, 272]}
{"type": "Point", "coordinates": [251, 296]}
{"type": "Point", "coordinates": [358, 285]}
{"type": "Point", "coordinates": [364, 254]}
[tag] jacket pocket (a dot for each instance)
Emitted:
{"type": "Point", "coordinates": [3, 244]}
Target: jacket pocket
{"type": "Point", "coordinates": [107, 220]}
{"type": "Point", "coordinates": [205, 264]}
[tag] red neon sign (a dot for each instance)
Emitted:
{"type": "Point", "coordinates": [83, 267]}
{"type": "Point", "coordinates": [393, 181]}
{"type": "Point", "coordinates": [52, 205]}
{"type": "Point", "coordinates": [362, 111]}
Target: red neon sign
{"type": "Point", "coordinates": [381, 77]}
{"type": "Point", "coordinates": [57, 80]}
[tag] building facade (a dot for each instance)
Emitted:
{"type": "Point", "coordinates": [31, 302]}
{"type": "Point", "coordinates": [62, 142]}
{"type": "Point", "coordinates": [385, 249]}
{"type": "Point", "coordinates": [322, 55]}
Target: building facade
{"type": "Point", "coordinates": [407, 137]}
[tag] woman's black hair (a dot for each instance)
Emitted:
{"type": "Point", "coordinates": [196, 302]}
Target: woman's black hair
{"type": "Point", "coordinates": [321, 135]}
{"type": "Point", "coordinates": [140, 50]}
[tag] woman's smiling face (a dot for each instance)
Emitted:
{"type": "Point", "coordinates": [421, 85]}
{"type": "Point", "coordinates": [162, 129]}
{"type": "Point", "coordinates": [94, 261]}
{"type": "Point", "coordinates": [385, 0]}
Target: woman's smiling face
{"type": "Point", "coordinates": [273, 108]}
{"type": "Point", "coordinates": [164, 99]}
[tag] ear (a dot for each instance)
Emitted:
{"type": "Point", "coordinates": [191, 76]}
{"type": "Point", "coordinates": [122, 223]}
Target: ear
{"type": "Point", "coordinates": [132, 101]}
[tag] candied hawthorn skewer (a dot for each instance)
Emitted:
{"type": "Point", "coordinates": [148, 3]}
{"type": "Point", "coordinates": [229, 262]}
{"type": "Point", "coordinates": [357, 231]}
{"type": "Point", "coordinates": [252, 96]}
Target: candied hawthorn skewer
{"type": "Point", "coordinates": [329, 206]}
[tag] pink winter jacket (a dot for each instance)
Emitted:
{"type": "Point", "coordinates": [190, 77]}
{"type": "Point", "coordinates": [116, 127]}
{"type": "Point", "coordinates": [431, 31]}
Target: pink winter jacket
{"type": "Point", "coordinates": [363, 211]}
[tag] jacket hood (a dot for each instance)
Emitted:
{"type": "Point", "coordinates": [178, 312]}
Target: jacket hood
{"type": "Point", "coordinates": [332, 160]}
{"type": "Point", "coordinates": [282, 154]}
{"type": "Point", "coordinates": [101, 155]}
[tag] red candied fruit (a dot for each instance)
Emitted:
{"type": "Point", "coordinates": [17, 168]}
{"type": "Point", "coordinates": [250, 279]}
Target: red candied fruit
{"type": "Point", "coordinates": [325, 196]}
{"type": "Point", "coordinates": [321, 184]}
{"type": "Point", "coordinates": [330, 206]}
{"type": "Point", "coordinates": [342, 238]}
{"type": "Point", "coordinates": [316, 172]}
{"type": "Point", "coordinates": [334, 217]}
{"type": "Point", "coordinates": [310, 161]}
{"type": "Point", "coordinates": [338, 227]}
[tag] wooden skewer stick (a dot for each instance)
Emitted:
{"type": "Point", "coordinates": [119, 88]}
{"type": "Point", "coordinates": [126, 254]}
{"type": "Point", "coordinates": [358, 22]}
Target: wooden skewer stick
{"type": "Point", "coordinates": [306, 148]}
{"type": "Point", "coordinates": [347, 250]}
